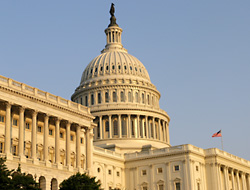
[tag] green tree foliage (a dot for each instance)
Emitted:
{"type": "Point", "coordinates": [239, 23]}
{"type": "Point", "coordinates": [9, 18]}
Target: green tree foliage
{"type": "Point", "coordinates": [5, 174]}
{"type": "Point", "coordinates": [15, 180]}
{"type": "Point", "coordinates": [80, 182]}
{"type": "Point", "coordinates": [23, 181]}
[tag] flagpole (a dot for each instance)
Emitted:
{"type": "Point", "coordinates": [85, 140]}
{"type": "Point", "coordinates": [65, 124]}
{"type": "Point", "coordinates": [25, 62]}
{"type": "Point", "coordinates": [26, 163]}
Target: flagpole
{"type": "Point", "coordinates": [221, 141]}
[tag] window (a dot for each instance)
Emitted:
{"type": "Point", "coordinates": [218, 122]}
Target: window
{"type": "Point", "coordinates": [161, 187]}
{"type": "Point", "coordinates": [1, 118]}
{"type": "Point", "coordinates": [86, 100]}
{"type": "Point", "coordinates": [99, 98]}
{"type": "Point", "coordinates": [106, 97]}
{"type": "Point", "coordinates": [114, 97]}
{"type": "Point", "coordinates": [177, 186]}
{"type": "Point", "coordinates": [159, 170]}
{"type": "Point", "coordinates": [118, 174]}
{"type": "Point", "coordinates": [107, 67]}
{"type": "Point", "coordinates": [130, 68]}
{"type": "Point", "coordinates": [71, 137]}
{"type": "Point", "coordinates": [113, 67]}
{"type": "Point", "coordinates": [101, 68]}
{"type": "Point", "coordinates": [14, 150]}
{"type": "Point", "coordinates": [198, 186]}
{"type": "Point", "coordinates": [98, 170]}
{"type": "Point", "coordinates": [136, 97]}
{"type": "Point", "coordinates": [142, 97]}
{"type": "Point", "coordinates": [50, 132]}
{"type": "Point", "coordinates": [39, 129]}
{"type": "Point", "coordinates": [129, 96]}
{"type": "Point", "coordinates": [148, 100]}
{"type": "Point", "coordinates": [27, 125]}
{"type": "Point", "coordinates": [81, 100]}
{"type": "Point", "coordinates": [144, 188]}
{"type": "Point", "coordinates": [122, 97]}
{"type": "Point", "coordinates": [81, 140]}
{"type": "Point", "coordinates": [107, 126]}
{"type": "Point", "coordinates": [92, 99]}
{"type": "Point", "coordinates": [109, 172]}
{"type": "Point", "coordinates": [115, 125]}
{"type": "Point", "coordinates": [124, 126]}
{"type": "Point", "coordinates": [14, 122]}
{"type": "Point", "coordinates": [144, 172]}
{"type": "Point", "coordinates": [61, 135]}
{"type": "Point", "coordinates": [176, 168]}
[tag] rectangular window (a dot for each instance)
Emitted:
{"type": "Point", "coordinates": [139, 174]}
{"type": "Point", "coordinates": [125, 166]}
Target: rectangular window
{"type": "Point", "coordinates": [71, 137]}
{"type": "Point", "coordinates": [61, 135]}
{"type": "Point", "coordinates": [198, 186]}
{"type": "Point", "coordinates": [1, 118]}
{"type": "Point", "coordinates": [148, 100]}
{"type": "Point", "coordinates": [118, 174]}
{"type": "Point", "coordinates": [14, 150]}
{"type": "Point", "coordinates": [81, 100]}
{"type": "Point", "coordinates": [142, 97]}
{"type": "Point", "coordinates": [39, 129]}
{"type": "Point", "coordinates": [114, 97]}
{"type": "Point", "coordinates": [81, 140]}
{"type": "Point", "coordinates": [197, 168]}
{"type": "Point", "coordinates": [106, 97]}
{"type": "Point", "coordinates": [92, 99]}
{"type": "Point", "coordinates": [86, 100]}
{"type": "Point", "coordinates": [99, 98]}
{"type": "Point", "coordinates": [14, 122]}
{"type": "Point", "coordinates": [144, 188]}
{"type": "Point", "coordinates": [159, 170]}
{"type": "Point", "coordinates": [50, 132]}
{"type": "Point", "coordinates": [176, 168]}
{"type": "Point", "coordinates": [27, 125]}
{"type": "Point", "coordinates": [177, 186]}
{"type": "Point", "coordinates": [109, 172]}
{"type": "Point", "coordinates": [144, 172]}
{"type": "Point", "coordinates": [161, 187]}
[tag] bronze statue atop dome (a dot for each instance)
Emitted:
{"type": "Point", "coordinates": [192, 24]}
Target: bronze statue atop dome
{"type": "Point", "coordinates": [112, 18]}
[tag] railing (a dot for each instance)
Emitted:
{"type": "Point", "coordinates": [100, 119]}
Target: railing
{"type": "Point", "coordinates": [109, 152]}
{"type": "Point", "coordinates": [42, 94]}
{"type": "Point", "coordinates": [172, 149]}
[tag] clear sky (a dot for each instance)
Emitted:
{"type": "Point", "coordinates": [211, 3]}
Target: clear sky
{"type": "Point", "coordinates": [197, 54]}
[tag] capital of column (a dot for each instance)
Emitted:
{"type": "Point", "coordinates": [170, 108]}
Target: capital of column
{"type": "Point", "coordinates": [8, 104]}
{"type": "Point", "coordinates": [34, 113]}
{"type": "Point", "coordinates": [21, 109]}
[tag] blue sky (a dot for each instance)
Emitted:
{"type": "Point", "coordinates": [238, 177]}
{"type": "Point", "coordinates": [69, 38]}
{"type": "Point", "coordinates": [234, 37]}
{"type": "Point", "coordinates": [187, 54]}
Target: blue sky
{"type": "Point", "coordinates": [197, 54]}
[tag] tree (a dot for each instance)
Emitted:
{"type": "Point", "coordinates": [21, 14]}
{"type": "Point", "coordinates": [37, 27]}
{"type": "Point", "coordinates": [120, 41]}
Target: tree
{"type": "Point", "coordinates": [5, 174]}
{"type": "Point", "coordinates": [80, 182]}
{"type": "Point", "coordinates": [23, 181]}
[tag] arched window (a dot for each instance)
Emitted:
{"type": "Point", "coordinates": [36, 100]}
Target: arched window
{"type": "Point", "coordinates": [114, 97]}
{"type": "Point", "coordinates": [92, 99]}
{"type": "Point", "coordinates": [106, 97]}
{"type": "Point", "coordinates": [129, 96]}
{"type": "Point", "coordinates": [136, 97]}
{"type": "Point", "coordinates": [115, 126]}
{"type": "Point", "coordinates": [107, 126]}
{"type": "Point", "coordinates": [99, 98]}
{"type": "Point", "coordinates": [122, 97]}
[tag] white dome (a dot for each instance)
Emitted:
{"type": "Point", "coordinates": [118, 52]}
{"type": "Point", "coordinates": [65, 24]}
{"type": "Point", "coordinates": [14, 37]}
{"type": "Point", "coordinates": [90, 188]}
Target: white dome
{"type": "Point", "coordinates": [118, 64]}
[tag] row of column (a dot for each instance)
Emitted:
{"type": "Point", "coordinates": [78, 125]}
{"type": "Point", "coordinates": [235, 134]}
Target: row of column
{"type": "Point", "coordinates": [45, 138]}
{"type": "Point", "coordinates": [236, 182]}
{"type": "Point", "coordinates": [143, 126]}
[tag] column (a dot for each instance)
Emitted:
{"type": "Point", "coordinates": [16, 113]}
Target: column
{"type": "Point", "coordinates": [138, 127]}
{"type": "Point", "coordinates": [167, 175]}
{"type": "Point", "coordinates": [33, 135]}
{"type": "Point", "coordinates": [233, 182]}
{"type": "Point", "coordinates": [142, 126]}
{"type": "Point", "coordinates": [100, 127]}
{"type": "Point", "coordinates": [164, 131]}
{"type": "Point", "coordinates": [243, 177]}
{"type": "Point", "coordinates": [129, 126]}
{"type": "Point", "coordinates": [159, 128]}
{"type": "Point", "coordinates": [89, 147]}
{"type": "Point", "coordinates": [226, 177]}
{"type": "Point", "coordinates": [45, 137]}
{"type": "Point", "coordinates": [21, 132]}
{"type": "Point", "coordinates": [78, 147]}
{"type": "Point", "coordinates": [238, 180]}
{"type": "Point", "coordinates": [146, 118]}
{"type": "Point", "coordinates": [167, 133]}
{"type": "Point", "coordinates": [7, 129]}
{"type": "Point", "coordinates": [149, 129]}
{"type": "Point", "coordinates": [120, 126]}
{"type": "Point", "coordinates": [57, 143]}
{"type": "Point", "coordinates": [110, 124]}
{"type": "Point", "coordinates": [68, 151]}
{"type": "Point", "coordinates": [153, 123]}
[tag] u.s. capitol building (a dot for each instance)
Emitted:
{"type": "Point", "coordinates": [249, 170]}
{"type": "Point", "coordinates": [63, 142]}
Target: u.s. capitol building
{"type": "Point", "coordinates": [113, 129]}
